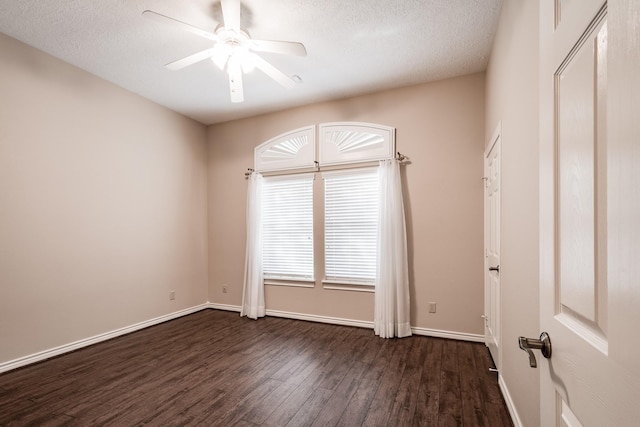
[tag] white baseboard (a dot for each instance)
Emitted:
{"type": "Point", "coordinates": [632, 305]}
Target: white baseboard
{"type": "Point", "coordinates": [321, 319]}
{"type": "Point", "coordinates": [462, 336]}
{"type": "Point", "coordinates": [509, 401]}
{"type": "Point", "coordinates": [299, 316]}
{"type": "Point", "coordinates": [225, 307]}
{"type": "Point", "coordinates": [56, 351]}
{"type": "Point", "coordinates": [46, 354]}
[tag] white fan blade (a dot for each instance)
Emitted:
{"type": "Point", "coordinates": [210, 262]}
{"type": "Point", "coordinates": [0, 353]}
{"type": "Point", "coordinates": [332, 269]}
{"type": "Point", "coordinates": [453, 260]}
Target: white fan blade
{"type": "Point", "coordinates": [231, 14]}
{"type": "Point", "coordinates": [191, 59]}
{"type": "Point", "coordinates": [285, 48]}
{"type": "Point", "coordinates": [234, 69]}
{"type": "Point", "coordinates": [179, 24]}
{"type": "Point", "coordinates": [273, 72]}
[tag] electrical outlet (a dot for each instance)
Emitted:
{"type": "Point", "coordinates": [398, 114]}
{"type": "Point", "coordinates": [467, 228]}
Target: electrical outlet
{"type": "Point", "coordinates": [224, 289]}
{"type": "Point", "coordinates": [432, 307]}
{"type": "Point", "coordinates": [172, 295]}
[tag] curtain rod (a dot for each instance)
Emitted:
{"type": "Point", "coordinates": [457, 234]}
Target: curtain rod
{"type": "Point", "coordinates": [399, 156]}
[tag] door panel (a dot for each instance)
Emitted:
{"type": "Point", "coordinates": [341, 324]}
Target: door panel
{"type": "Point", "coordinates": [492, 247]}
{"type": "Point", "coordinates": [580, 214]}
{"type": "Point", "coordinates": [588, 287]}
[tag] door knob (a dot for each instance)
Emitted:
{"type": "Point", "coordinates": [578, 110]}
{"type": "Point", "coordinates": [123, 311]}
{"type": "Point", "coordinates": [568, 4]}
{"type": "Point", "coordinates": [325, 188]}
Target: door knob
{"type": "Point", "coordinates": [496, 268]}
{"type": "Point", "coordinates": [543, 344]}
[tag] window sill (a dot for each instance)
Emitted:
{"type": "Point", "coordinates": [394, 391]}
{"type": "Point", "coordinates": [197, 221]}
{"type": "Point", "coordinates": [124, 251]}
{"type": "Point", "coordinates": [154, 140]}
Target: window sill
{"type": "Point", "coordinates": [294, 283]}
{"type": "Point", "coordinates": [347, 286]}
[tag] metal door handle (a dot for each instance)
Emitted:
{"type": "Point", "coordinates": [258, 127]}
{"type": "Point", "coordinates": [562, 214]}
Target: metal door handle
{"type": "Point", "coordinates": [543, 344]}
{"type": "Point", "coordinates": [496, 268]}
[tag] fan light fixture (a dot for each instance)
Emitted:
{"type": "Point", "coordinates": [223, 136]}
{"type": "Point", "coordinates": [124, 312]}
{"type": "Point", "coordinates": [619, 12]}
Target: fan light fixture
{"type": "Point", "coordinates": [234, 45]}
{"type": "Point", "coordinates": [234, 49]}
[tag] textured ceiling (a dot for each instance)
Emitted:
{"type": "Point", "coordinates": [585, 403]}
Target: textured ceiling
{"type": "Point", "coordinates": [354, 47]}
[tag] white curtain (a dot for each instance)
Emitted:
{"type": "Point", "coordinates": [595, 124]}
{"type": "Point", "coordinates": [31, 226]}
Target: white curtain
{"type": "Point", "coordinates": [392, 278]}
{"type": "Point", "coordinates": [253, 291]}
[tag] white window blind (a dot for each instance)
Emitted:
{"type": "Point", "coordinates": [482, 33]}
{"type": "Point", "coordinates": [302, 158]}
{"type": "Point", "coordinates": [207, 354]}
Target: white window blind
{"type": "Point", "coordinates": [288, 227]}
{"type": "Point", "coordinates": [351, 221]}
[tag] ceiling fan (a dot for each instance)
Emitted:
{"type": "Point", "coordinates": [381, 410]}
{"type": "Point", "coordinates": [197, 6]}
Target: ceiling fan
{"type": "Point", "coordinates": [233, 48]}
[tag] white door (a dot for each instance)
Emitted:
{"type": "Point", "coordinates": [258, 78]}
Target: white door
{"type": "Point", "coordinates": [590, 212]}
{"type": "Point", "coordinates": [492, 246]}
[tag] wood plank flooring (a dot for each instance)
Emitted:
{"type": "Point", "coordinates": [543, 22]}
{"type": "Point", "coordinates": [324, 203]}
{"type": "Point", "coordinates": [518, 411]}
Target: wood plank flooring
{"type": "Point", "coordinates": [213, 368]}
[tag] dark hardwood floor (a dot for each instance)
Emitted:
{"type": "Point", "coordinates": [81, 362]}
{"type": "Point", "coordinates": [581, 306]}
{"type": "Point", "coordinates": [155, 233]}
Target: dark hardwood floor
{"type": "Point", "coordinates": [214, 368]}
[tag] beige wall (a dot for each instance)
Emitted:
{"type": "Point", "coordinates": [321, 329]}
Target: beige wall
{"type": "Point", "coordinates": [512, 97]}
{"type": "Point", "coordinates": [102, 205]}
{"type": "Point", "coordinates": [440, 126]}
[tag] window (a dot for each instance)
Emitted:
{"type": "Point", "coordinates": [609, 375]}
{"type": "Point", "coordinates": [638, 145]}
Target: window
{"type": "Point", "coordinates": [288, 227]}
{"type": "Point", "coordinates": [351, 221]}
{"type": "Point", "coordinates": [351, 204]}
